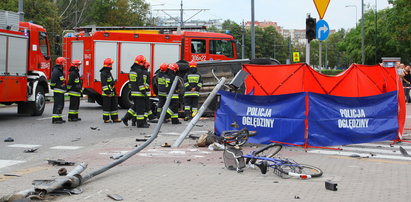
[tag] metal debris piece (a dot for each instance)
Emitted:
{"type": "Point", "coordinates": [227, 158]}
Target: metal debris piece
{"type": "Point", "coordinates": [355, 155]}
{"type": "Point", "coordinates": [62, 172]}
{"type": "Point", "coordinates": [141, 139]}
{"type": "Point", "coordinates": [60, 162]}
{"type": "Point", "coordinates": [116, 156]}
{"type": "Point", "coordinates": [93, 128]}
{"type": "Point", "coordinates": [193, 137]}
{"type": "Point", "coordinates": [296, 197]}
{"type": "Point", "coordinates": [75, 140]}
{"type": "Point", "coordinates": [329, 185]}
{"type": "Point", "coordinates": [31, 150]}
{"type": "Point", "coordinates": [9, 139]}
{"type": "Point", "coordinates": [12, 175]}
{"type": "Point", "coordinates": [165, 145]}
{"type": "Point", "coordinates": [115, 197]}
{"type": "Point", "coordinates": [404, 152]}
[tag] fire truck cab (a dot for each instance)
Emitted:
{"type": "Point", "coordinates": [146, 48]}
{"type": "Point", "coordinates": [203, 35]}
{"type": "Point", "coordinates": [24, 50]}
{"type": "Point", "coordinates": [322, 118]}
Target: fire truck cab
{"type": "Point", "coordinates": [124, 45]}
{"type": "Point", "coordinates": [24, 64]}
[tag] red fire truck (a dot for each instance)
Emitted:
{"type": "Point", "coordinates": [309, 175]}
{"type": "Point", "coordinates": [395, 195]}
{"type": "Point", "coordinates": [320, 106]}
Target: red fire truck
{"type": "Point", "coordinates": [124, 45]}
{"type": "Point", "coordinates": [24, 64]}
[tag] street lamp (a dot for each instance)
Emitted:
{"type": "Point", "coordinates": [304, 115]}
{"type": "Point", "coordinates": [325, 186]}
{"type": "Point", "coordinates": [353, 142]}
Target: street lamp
{"type": "Point", "coordinates": [151, 12]}
{"type": "Point", "coordinates": [356, 15]}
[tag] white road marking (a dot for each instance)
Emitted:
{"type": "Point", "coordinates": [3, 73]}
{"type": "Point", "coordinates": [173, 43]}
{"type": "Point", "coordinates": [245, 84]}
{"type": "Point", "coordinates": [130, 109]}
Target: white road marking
{"type": "Point", "coordinates": [66, 147]}
{"type": "Point", "coordinates": [387, 146]}
{"type": "Point", "coordinates": [375, 151]}
{"type": "Point", "coordinates": [343, 153]}
{"type": "Point", "coordinates": [5, 163]}
{"type": "Point", "coordinates": [24, 145]}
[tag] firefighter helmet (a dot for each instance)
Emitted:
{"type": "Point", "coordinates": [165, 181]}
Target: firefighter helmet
{"type": "Point", "coordinates": [76, 63]}
{"type": "Point", "coordinates": [163, 67]}
{"type": "Point", "coordinates": [147, 65]}
{"type": "Point", "coordinates": [192, 64]}
{"type": "Point", "coordinates": [108, 62]}
{"type": "Point", "coordinates": [140, 60]}
{"type": "Point", "coordinates": [173, 66]}
{"type": "Point", "coordinates": [60, 60]}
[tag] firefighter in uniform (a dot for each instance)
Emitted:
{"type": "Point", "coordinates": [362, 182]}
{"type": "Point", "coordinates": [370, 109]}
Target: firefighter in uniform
{"type": "Point", "coordinates": [148, 114]}
{"type": "Point", "coordinates": [173, 110]}
{"type": "Point", "coordinates": [108, 93]}
{"type": "Point", "coordinates": [74, 87]}
{"type": "Point", "coordinates": [138, 93]}
{"type": "Point", "coordinates": [192, 86]}
{"type": "Point", "coordinates": [59, 88]}
{"type": "Point", "coordinates": [163, 86]}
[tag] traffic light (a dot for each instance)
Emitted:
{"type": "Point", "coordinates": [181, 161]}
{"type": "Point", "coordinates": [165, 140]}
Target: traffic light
{"type": "Point", "coordinates": [310, 24]}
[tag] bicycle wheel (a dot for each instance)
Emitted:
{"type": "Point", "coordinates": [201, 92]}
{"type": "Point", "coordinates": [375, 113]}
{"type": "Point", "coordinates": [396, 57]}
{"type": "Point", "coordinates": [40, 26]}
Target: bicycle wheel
{"type": "Point", "coordinates": [268, 151]}
{"type": "Point", "coordinates": [233, 138]}
{"type": "Point", "coordinates": [297, 170]}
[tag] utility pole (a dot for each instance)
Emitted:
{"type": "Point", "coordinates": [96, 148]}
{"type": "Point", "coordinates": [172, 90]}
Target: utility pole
{"type": "Point", "coordinates": [320, 53]}
{"type": "Point", "coordinates": [242, 42]}
{"type": "Point", "coordinates": [21, 12]}
{"type": "Point", "coordinates": [289, 49]}
{"type": "Point", "coordinates": [181, 14]}
{"type": "Point", "coordinates": [362, 33]}
{"type": "Point", "coordinates": [252, 31]}
{"type": "Point", "coordinates": [326, 54]}
{"type": "Point", "coordinates": [274, 46]}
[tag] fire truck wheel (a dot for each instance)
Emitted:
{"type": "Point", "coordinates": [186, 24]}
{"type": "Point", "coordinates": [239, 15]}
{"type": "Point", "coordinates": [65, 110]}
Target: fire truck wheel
{"type": "Point", "coordinates": [39, 104]}
{"type": "Point", "coordinates": [124, 100]}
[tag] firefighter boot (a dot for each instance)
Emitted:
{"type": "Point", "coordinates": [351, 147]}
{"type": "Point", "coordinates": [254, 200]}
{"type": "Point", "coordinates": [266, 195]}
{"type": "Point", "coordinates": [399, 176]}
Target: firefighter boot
{"type": "Point", "coordinates": [125, 118]}
{"type": "Point", "coordinates": [188, 115]}
{"type": "Point", "coordinates": [57, 121]}
{"type": "Point", "coordinates": [175, 121]}
{"type": "Point", "coordinates": [134, 121]}
{"type": "Point", "coordinates": [141, 124]}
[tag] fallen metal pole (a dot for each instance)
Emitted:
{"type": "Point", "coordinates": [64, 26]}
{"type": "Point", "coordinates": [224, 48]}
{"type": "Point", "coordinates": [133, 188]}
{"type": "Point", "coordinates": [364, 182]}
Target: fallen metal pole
{"type": "Point", "coordinates": [74, 177]}
{"type": "Point", "coordinates": [197, 117]}
{"type": "Point", "coordinates": [144, 145]}
{"type": "Point", "coordinates": [41, 188]}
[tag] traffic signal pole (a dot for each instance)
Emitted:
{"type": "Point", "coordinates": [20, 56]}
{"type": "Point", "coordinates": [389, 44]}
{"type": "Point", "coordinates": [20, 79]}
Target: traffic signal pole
{"type": "Point", "coordinates": [307, 53]}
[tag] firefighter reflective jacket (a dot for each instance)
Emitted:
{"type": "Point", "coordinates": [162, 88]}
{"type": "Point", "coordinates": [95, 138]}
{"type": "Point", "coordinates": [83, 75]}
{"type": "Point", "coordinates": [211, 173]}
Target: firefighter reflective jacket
{"type": "Point", "coordinates": [57, 80]}
{"type": "Point", "coordinates": [136, 78]}
{"type": "Point", "coordinates": [192, 80]}
{"type": "Point", "coordinates": [163, 83]}
{"type": "Point", "coordinates": [107, 82]}
{"type": "Point", "coordinates": [146, 81]}
{"type": "Point", "coordinates": [74, 84]}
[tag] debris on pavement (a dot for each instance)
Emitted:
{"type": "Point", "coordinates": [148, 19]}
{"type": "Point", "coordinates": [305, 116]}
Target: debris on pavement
{"type": "Point", "coordinates": [216, 147]}
{"type": "Point", "coordinates": [115, 197]}
{"type": "Point", "coordinates": [11, 175]}
{"type": "Point", "coordinates": [116, 156]}
{"type": "Point", "coordinates": [75, 140]}
{"type": "Point", "coordinates": [93, 128]}
{"type": "Point", "coordinates": [193, 137]}
{"type": "Point", "coordinates": [355, 156]}
{"type": "Point", "coordinates": [9, 139]}
{"type": "Point", "coordinates": [165, 145]}
{"type": "Point", "coordinates": [141, 139]}
{"type": "Point", "coordinates": [206, 139]}
{"type": "Point", "coordinates": [297, 197]}
{"type": "Point", "coordinates": [31, 150]}
{"type": "Point", "coordinates": [62, 172]}
{"type": "Point", "coordinates": [329, 185]}
{"type": "Point", "coordinates": [404, 152]}
{"type": "Point", "coordinates": [60, 162]}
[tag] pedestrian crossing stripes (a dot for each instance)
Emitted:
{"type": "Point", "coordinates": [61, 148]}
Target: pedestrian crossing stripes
{"type": "Point", "coordinates": [24, 145]}
{"type": "Point", "coordinates": [66, 147]}
{"type": "Point", "coordinates": [6, 163]}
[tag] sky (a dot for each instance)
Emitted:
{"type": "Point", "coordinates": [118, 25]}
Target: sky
{"type": "Point", "coordinates": [289, 14]}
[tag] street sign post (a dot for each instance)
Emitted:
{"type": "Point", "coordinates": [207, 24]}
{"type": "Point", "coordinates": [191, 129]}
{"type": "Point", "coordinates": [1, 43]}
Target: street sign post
{"type": "Point", "coordinates": [322, 30]}
{"type": "Point", "coordinates": [321, 6]}
{"type": "Point", "coordinates": [296, 56]}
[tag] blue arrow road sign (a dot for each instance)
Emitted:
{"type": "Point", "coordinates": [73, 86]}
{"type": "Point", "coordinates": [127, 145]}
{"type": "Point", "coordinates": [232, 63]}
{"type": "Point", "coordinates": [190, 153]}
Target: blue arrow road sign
{"type": "Point", "coordinates": [322, 30]}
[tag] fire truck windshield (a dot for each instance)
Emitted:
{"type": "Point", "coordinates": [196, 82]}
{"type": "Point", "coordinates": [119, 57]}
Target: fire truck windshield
{"type": "Point", "coordinates": [221, 47]}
